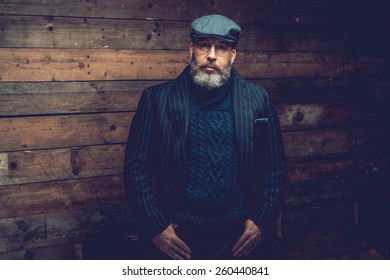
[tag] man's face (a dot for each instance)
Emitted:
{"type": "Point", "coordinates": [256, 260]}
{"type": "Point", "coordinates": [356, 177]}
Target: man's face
{"type": "Point", "coordinates": [211, 62]}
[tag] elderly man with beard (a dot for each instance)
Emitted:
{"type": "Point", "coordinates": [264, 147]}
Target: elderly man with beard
{"type": "Point", "coordinates": [204, 166]}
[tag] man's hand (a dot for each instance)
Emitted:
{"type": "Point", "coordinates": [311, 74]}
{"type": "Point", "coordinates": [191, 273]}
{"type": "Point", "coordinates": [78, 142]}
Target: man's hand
{"type": "Point", "coordinates": [249, 239]}
{"type": "Point", "coordinates": [169, 243]}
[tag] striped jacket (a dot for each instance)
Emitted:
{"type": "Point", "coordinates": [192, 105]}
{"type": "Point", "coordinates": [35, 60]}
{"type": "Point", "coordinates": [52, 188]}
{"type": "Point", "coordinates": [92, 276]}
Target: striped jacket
{"type": "Point", "coordinates": [155, 152]}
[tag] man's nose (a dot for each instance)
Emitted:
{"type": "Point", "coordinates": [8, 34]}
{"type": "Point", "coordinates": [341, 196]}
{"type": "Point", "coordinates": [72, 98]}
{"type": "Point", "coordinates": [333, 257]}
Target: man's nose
{"type": "Point", "coordinates": [212, 55]}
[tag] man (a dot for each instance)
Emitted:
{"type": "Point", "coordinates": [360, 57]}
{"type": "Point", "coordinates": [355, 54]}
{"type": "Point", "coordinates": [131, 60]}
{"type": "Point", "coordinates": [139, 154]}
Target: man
{"type": "Point", "coordinates": [204, 165]}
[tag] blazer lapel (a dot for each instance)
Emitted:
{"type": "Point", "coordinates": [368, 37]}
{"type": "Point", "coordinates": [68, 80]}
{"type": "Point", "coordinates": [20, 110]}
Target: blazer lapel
{"type": "Point", "coordinates": [178, 102]}
{"type": "Point", "coordinates": [243, 118]}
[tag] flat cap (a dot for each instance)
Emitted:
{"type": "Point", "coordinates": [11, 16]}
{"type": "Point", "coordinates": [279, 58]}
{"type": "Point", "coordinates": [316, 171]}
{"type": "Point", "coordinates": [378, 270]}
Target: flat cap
{"type": "Point", "coordinates": [216, 26]}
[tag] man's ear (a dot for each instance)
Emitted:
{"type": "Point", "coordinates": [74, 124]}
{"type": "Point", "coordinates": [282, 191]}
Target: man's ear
{"type": "Point", "coordinates": [191, 49]}
{"type": "Point", "coordinates": [234, 53]}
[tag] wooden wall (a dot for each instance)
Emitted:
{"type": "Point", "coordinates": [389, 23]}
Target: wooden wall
{"type": "Point", "coordinates": [71, 74]}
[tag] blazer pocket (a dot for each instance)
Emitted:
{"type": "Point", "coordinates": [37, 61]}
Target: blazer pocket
{"type": "Point", "coordinates": [260, 138]}
{"type": "Point", "coordinates": [260, 128]}
{"type": "Point", "coordinates": [261, 120]}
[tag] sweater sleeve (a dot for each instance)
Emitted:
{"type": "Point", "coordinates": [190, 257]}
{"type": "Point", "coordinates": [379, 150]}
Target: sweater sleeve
{"type": "Point", "coordinates": [137, 169]}
{"type": "Point", "coordinates": [275, 169]}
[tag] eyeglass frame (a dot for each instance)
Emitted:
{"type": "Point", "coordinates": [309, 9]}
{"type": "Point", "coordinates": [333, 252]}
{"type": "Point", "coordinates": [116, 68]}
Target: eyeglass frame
{"type": "Point", "coordinates": [217, 47]}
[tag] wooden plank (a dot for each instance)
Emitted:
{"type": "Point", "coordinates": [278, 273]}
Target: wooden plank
{"type": "Point", "coordinates": [316, 116]}
{"type": "Point", "coordinates": [334, 244]}
{"type": "Point", "coordinates": [72, 163]}
{"type": "Point", "coordinates": [265, 12]}
{"type": "Point", "coordinates": [68, 195]}
{"type": "Point", "coordinates": [319, 217]}
{"type": "Point", "coordinates": [60, 32]}
{"type": "Point", "coordinates": [321, 191]}
{"type": "Point", "coordinates": [314, 143]}
{"type": "Point", "coordinates": [334, 166]}
{"type": "Point", "coordinates": [61, 196]}
{"type": "Point", "coordinates": [43, 98]}
{"type": "Point", "coordinates": [71, 97]}
{"type": "Point", "coordinates": [91, 64]}
{"type": "Point", "coordinates": [61, 164]}
{"type": "Point", "coordinates": [27, 133]}
{"type": "Point", "coordinates": [21, 200]}
{"type": "Point", "coordinates": [102, 64]}
{"type": "Point", "coordinates": [36, 231]}
{"type": "Point", "coordinates": [108, 247]}
{"type": "Point", "coordinates": [363, 91]}
{"type": "Point", "coordinates": [56, 252]}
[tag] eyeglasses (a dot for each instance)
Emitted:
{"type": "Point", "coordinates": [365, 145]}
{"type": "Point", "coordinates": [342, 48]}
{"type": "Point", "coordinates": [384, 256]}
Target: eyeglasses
{"type": "Point", "coordinates": [205, 47]}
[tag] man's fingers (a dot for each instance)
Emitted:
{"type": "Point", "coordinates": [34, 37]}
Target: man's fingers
{"type": "Point", "coordinates": [249, 248]}
{"type": "Point", "coordinates": [180, 251]}
{"type": "Point", "coordinates": [170, 244]}
{"type": "Point", "coordinates": [175, 255]}
{"type": "Point", "coordinates": [243, 238]}
{"type": "Point", "coordinates": [245, 249]}
{"type": "Point", "coordinates": [240, 251]}
{"type": "Point", "coordinates": [182, 245]}
{"type": "Point", "coordinates": [248, 240]}
{"type": "Point", "coordinates": [174, 251]}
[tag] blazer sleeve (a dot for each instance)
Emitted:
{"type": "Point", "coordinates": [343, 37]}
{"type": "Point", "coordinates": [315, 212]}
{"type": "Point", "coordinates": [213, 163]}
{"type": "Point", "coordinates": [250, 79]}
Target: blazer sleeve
{"type": "Point", "coordinates": [137, 168]}
{"type": "Point", "coordinates": [274, 166]}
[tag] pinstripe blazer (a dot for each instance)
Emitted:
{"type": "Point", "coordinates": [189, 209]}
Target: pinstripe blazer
{"type": "Point", "coordinates": [155, 152]}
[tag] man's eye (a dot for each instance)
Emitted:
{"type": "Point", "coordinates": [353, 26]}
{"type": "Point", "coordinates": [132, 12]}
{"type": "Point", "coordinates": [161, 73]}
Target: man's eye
{"type": "Point", "coordinates": [221, 47]}
{"type": "Point", "coordinates": [204, 45]}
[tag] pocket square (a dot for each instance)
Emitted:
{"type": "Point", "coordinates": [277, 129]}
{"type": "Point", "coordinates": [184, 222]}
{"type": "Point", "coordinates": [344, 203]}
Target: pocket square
{"type": "Point", "coordinates": [261, 120]}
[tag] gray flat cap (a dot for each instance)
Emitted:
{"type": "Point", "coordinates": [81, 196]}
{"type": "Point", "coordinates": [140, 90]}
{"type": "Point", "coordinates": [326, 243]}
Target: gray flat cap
{"type": "Point", "coordinates": [216, 26]}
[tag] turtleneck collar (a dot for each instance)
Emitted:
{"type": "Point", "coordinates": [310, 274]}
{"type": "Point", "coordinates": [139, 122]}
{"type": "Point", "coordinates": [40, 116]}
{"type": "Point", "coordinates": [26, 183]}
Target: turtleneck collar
{"type": "Point", "coordinates": [219, 99]}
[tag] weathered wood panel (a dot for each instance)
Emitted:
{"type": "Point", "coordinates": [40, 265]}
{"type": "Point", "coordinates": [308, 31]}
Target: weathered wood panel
{"type": "Point", "coordinates": [342, 97]}
{"type": "Point", "coordinates": [332, 244]}
{"type": "Point", "coordinates": [289, 12]}
{"type": "Point", "coordinates": [75, 33]}
{"type": "Point", "coordinates": [81, 130]}
{"type": "Point", "coordinates": [68, 98]}
{"type": "Point", "coordinates": [311, 143]}
{"type": "Point", "coordinates": [57, 252]}
{"type": "Point", "coordinates": [89, 193]}
{"type": "Point", "coordinates": [363, 91]}
{"type": "Point", "coordinates": [326, 167]}
{"type": "Point", "coordinates": [42, 132]}
{"type": "Point", "coordinates": [101, 64]}
{"type": "Point", "coordinates": [35, 231]}
{"type": "Point", "coordinates": [63, 131]}
{"type": "Point", "coordinates": [319, 217]}
{"type": "Point", "coordinates": [316, 192]}
{"type": "Point", "coordinates": [314, 116]}
{"type": "Point", "coordinates": [72, 163]}
{"type": "Point", "coordinates": [61, 196]}
{"type": "Point", "coordinates": [60, 164]}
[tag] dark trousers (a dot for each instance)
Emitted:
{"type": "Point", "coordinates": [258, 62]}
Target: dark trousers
{"type": "Point", "coordinates": [209, 243]}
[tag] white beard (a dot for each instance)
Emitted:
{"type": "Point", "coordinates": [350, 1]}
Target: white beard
{"type": "Point", "coordinates": [209, 81]}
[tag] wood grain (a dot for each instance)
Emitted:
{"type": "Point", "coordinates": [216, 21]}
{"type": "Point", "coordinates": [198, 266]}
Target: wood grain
{"type": "Point", "coordinates": [101, 64]}
{"type": "Point", "coordinates": [61, 196]}
{"type": "Point", "coordinates": [85, 162]}
{"type": "Point", "coordinates": [92, 33]}
{"type": "Point", "coordinates": [265, 12]}
{"type": "Point", "coordinates": [341, 97]}
{"type": "Point", "coordinates": [64, 131]}
{"type": "Point", "coordinates": [60, 164]}
{"type": "Point", "coordinates": [50, 229]}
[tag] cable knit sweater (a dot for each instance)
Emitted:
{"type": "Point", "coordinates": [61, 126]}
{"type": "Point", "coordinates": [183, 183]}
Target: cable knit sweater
{"type": "Point", "coordinates": [211, 195]}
